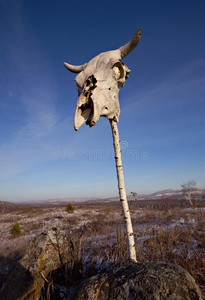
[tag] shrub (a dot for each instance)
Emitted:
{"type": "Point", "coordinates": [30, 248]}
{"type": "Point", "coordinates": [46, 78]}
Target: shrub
{"type": "Point", "coordinates": [69, 208]}
{"type": "Point", "coordinates": [15, 229]}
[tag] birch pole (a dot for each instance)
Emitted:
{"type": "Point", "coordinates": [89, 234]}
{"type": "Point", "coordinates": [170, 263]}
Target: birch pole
{"type": "Point", "coordinates": [122, 192]}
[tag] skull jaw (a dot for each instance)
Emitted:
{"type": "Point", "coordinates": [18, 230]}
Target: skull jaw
{"type": "Point", "coordinates": [89, 111]}
{"type": "Point", "coordinates": [81, 117]}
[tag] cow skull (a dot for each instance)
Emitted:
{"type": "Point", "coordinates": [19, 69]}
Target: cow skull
{"type": "Point", "coordinates": [98, 84]}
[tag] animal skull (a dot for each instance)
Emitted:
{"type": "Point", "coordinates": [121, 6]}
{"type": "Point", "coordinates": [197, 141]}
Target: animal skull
{"type": "Point", "coordinates": [98, 84]}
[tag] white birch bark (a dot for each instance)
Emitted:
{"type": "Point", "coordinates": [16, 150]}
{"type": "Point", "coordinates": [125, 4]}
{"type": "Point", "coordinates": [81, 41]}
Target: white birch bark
{"type": "Point", "coordinates": [122, 192]}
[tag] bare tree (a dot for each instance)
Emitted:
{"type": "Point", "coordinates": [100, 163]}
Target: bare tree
{"type": "Point", "coordinates": [134, 195]}
{"type": "Point", "coordinates": [189, 191]}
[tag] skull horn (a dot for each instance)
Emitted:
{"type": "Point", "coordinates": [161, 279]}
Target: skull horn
{"type": "Point", "coordinates": [126, 49]}
{"type": "Point", "coordinates": [75, 69]}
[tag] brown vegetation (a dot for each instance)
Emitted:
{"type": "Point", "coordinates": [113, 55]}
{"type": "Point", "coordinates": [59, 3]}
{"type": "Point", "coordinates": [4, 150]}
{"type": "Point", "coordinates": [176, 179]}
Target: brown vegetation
{"type": "Point", "coordinates": [96, 236]}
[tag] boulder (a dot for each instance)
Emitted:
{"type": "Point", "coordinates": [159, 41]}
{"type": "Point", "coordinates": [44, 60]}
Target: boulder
{"type": "Point", "coordinates": [47, 252]}
{"type": "Point", "coordinates": [120, 281]}
{"type": "Point", "coordinates": [143, 281]}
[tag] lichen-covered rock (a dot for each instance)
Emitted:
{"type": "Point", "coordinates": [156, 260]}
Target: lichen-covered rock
{"type": "Point", "coordinates": [148, 281]}
{"type": "Point", "coordinates": [45, 253]}
{"type": "Point", "coordinates": [124, 280]}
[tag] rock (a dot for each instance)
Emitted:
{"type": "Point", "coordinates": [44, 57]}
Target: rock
{"type": "Point", "coordinates": [45, 253]}
{"type": "Point", "coordinates": [133, 281]}
{"type": "Point", "coordinates": [120, 281]}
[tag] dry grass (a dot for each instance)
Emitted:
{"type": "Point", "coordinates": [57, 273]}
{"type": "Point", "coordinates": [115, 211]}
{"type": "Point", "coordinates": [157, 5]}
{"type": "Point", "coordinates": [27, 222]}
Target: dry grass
{"type": "Point", "coordinates": [96, 237]}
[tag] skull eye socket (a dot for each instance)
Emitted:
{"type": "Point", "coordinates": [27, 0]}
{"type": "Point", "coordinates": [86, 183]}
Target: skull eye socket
{"type": "Point", "coordinates": [119, 70]}
{"type": "Point", "coordinates": [94, 80]}
{"type": "Point", "coordinates": [91, 82]}
{"type": "Point", "coordinates": [88, 82]}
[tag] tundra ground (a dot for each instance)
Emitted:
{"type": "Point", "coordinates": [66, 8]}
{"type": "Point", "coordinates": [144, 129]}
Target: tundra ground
{"type": "Point", "coordinates": [97, 236]}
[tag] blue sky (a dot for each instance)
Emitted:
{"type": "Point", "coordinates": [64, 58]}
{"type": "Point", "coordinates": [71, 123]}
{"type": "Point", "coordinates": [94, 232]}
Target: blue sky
{"type": "Point", "coordinates": [162, 117]}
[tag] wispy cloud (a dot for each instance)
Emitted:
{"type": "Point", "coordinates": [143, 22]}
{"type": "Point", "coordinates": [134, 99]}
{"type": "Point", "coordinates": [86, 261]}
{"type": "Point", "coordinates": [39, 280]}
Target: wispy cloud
{"type": "Point", "coordinates": [168, 91]}
{"type": "Point", "coordinates": [28, 79]}
{"type": "Point", "coordinates": [29, 86]}
{"type": "Point", "coordinates": [40, 116]}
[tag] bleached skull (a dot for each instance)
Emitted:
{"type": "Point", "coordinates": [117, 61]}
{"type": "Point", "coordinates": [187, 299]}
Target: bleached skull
{"type": "Point", "coordinates": [98, 84]}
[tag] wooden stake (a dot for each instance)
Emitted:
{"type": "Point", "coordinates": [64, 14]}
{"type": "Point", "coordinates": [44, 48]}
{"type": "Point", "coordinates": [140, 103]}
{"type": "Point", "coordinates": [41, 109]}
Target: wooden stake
{"type": "Point", "coordinates": [122, 192]}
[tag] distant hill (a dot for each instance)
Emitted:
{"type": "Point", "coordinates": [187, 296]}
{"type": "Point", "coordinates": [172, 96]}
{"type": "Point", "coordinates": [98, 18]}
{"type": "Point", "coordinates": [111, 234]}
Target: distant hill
{"type": "Point", "coordinates": [168, 194]}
